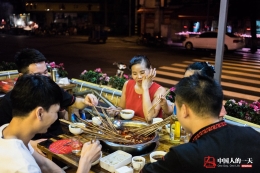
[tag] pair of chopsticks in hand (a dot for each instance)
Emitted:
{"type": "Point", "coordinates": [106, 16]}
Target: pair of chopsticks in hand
{"type": "Point", "coordinates": [158, 101]}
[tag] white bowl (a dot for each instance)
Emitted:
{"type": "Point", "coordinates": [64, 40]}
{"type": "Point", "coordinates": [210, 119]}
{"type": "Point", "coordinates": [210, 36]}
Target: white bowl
{"type": "Point", "coordinates": [157, 120]}
{"type": "Point", "coordinates": [156, 153]}
{"type": "Point", "coordinates": [127, 114]}
{"type": "Point", "coordinates": [96, 121]}
{"type": "Point", "coordinates": [97, 161]}
{"type": "Point", "coordinates": [76, 130]}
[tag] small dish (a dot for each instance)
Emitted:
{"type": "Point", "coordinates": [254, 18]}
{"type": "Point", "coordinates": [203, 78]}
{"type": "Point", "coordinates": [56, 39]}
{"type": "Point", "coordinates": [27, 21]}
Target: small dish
{"type": "Point", "coordinates": [156, 155]}
{"type": "Point", "coordinates": [76, 130]}
{"type": "Point", "coordinates": [127, 114]}
{"type": "Point", "coordinates": [157, 120]}
{"type": "Point", "coordinates": [96, 121]}
{"type": "Point", "coordinates": [97, 161]}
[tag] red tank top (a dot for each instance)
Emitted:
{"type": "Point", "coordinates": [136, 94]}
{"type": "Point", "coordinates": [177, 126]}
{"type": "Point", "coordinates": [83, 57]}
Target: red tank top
{"type": "Point", "coordinates": [134, 100]}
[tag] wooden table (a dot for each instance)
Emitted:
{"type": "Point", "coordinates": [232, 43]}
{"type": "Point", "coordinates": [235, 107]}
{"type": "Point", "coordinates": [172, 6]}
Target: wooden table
{"type": "Point", "coordinates": [72, 159]}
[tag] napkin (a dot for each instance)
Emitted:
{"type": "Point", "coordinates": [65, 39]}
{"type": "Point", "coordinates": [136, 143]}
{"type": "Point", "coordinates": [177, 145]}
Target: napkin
{"type": "Point", "coordinates": [64, 81]}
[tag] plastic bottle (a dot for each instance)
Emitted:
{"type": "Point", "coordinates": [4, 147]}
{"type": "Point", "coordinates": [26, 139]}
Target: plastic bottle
{"type": "Point", "coordinates": [177, 130]}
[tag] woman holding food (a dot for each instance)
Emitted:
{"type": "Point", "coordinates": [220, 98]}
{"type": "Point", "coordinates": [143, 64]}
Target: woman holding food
{"type": "Point", "coordinates": [140, 93]}
{"type": "Point", "coordinates": [202, 68]}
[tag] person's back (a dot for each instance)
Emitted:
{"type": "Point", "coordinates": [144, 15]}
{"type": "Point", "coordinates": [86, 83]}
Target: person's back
{"type": "Point", "coordinates": [214, 146]}
{"type": "Point", "coordinates": [15, 148]}
{"type": "Point", "coordinates": [229, 146]}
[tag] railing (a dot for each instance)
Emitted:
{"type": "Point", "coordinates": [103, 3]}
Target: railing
{"type": "Point", "coordinates": [239, 122]}
{"type": "Point", "coordinates": [8, 73]}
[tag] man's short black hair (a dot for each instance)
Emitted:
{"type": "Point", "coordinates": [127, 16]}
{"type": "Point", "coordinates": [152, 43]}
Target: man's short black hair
{"type": "Point", "coordinates": [201, 93]}
{"type": "Point", "coordinates": [26, 57]}
{"type": "Point", "coordinates": [31, 91]}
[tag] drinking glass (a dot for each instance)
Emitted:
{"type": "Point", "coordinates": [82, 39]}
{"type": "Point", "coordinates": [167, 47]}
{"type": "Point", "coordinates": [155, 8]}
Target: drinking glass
{"type": "Point", "coordinates": [76, 145]}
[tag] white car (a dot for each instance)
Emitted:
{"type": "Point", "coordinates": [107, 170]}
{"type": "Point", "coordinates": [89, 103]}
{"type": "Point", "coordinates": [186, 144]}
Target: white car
{"type": "Point", "coordinates": [208, 40]}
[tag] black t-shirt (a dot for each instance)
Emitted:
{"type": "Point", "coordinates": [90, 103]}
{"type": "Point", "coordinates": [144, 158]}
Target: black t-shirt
{"type": "Point", "coordinates": [218, 150]}
{"type": "Point", "coordinates": [54, 129]}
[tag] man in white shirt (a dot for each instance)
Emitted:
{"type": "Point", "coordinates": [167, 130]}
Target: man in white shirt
{"type": "Point", "coordinates": [36, 102]}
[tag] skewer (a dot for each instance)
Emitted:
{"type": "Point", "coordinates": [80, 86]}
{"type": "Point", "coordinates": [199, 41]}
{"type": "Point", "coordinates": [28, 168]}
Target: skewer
{"type": "Point", "coordinates": [158, 101]}
{"type": "Point", "coordinates": [102, 136]}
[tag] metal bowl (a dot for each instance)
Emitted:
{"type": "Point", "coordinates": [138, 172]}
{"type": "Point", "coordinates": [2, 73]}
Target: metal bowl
{"type": "Point", "coordinates": [137, 149]}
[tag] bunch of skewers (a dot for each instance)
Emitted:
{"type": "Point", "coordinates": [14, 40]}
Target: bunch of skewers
{"type": "Point", "coordinates": [107, 131]}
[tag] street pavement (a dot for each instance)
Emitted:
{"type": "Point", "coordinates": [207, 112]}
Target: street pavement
{"type": "Point", "coordinates": [240, 75]}
{"type": "Point", "coordinates": [240, 79]}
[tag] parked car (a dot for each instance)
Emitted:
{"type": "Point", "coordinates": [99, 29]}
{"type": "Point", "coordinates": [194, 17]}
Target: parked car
{"type": "Point", "coordinates": [208, 40]}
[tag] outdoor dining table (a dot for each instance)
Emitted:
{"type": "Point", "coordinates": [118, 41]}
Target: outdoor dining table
{"type": "Point", "coordinates": [73, 159]}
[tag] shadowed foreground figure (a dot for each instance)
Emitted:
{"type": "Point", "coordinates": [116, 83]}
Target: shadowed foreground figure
{"type": "Point", "coordinates": [36, 103]}
{"type": "Point", "coordinates": [214, 146]}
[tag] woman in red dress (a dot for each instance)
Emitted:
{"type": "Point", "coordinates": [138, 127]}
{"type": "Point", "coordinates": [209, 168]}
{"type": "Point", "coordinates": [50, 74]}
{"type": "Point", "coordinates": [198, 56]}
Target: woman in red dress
{"type": "Point", "coordinates": [141, 93]}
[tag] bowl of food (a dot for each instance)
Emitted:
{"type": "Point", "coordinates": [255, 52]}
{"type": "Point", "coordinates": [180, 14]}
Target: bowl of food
{"type": "Point", "coordinates": [140, 146]}
{"type": "Point", "coordinates": [156, 155]}
{"type": "Point", "coordinates": [97, 161]}
{"type": "Point", "coordinates": [76, 130]}
{"type": "Point", "coordinates": [127, 114]}
{"type": "Point", "coordinates": [96, 121]}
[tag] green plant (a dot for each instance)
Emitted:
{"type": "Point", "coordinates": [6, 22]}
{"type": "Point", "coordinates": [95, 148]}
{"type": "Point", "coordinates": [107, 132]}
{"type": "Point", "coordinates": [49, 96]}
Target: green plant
{"type": "Point", "coordinates": [7, 66]}
{"type": "Point", "coordinates": [243, 110]}
{"type": "Point", "coordinates": [118, 82]}
{"type": "Point", "coordinates": [95, 76]}
{"type": "Point", "coordinates": [60, 67]}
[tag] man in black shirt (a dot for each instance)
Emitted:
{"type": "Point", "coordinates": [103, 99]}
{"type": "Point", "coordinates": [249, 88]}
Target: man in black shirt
{"type": "Point", "coordinates": [31, 61]}
{"type": "Point", "coordinates": [215, 146]}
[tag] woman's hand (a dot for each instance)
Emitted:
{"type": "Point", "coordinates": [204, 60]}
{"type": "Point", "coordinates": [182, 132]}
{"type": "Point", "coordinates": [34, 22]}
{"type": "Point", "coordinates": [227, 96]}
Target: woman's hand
{"type": "Point", "coordinates": [166, 105]}
{"type": "Point", "coordinates": [163, 101]}
{"type": "Point", "coordinates": [113, 111]}
{"type": "Point", "coordinates": [148, 79]}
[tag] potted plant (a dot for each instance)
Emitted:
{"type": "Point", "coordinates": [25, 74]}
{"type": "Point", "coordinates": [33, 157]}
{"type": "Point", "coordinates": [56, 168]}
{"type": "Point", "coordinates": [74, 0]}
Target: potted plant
{"type": "Point", "coordinates": [60, 67]}
{"type": "Point", "coordinates": [95, 76]}
{"type": "Point", "coordinates": [246, 111]}
{"type": "Point", "coordinates": [118, 82]}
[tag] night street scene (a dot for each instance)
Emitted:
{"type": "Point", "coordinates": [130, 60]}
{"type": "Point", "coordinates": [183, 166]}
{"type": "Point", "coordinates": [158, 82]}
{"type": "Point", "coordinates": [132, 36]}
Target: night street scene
{"type": "Point", "coordinates": [88, 45]}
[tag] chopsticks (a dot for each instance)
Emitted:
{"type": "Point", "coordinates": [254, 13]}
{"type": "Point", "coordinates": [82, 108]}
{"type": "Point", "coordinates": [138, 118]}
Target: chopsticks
{"type": "Point", "coordinates": [158, 101]}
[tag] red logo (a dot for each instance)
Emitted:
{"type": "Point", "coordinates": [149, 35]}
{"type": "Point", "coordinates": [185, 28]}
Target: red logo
{"type": "Point", "coordinates": [209, 162]}
{"type": "Point", "coordinates": [246, 166]}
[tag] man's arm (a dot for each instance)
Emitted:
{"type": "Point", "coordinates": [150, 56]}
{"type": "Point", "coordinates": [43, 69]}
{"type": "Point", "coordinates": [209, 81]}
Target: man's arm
{"type": "Point", "coordinates": [46, 165]}
{"type": "Point", "coordinates": [89, 154]}
{"type": "Point", "coordinates": [89, 100]}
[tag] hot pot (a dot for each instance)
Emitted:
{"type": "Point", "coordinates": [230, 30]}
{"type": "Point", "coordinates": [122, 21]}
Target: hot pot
{"type": "Point", "coordinates": [137, 149]}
